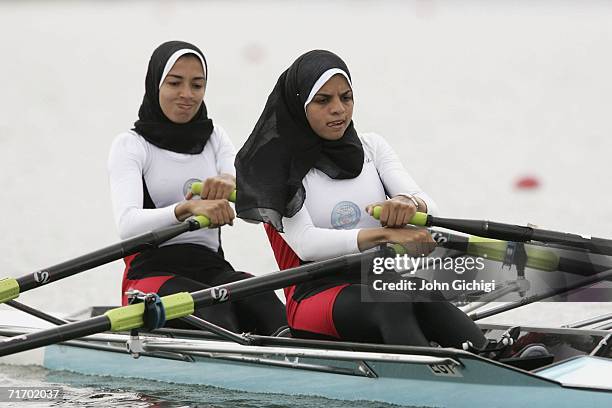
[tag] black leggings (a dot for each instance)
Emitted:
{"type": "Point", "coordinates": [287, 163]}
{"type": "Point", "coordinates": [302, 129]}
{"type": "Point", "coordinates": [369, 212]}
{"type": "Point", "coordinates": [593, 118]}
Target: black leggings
{"type": "Point", "coordinates": [394, 318]}
{"type": "Point", "coordinates": [263, 313]}
{"type": "Point", "coordinates": [196, 267]}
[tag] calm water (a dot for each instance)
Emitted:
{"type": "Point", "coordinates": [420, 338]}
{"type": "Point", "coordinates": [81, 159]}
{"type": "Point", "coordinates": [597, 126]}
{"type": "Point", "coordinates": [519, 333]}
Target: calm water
{"type": "Point", "coordinates": [95, 391]}
{"type": "Point", "coordinates": [473, 97]}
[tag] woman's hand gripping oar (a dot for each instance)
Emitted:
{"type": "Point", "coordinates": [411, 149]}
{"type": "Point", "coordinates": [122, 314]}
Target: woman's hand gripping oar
{"type": "Point", "coordinates": [492, 249]}
{"type": "Point", "coordinates": [10, 288]}
{"type": "Point", "coordinates": [509, 232]}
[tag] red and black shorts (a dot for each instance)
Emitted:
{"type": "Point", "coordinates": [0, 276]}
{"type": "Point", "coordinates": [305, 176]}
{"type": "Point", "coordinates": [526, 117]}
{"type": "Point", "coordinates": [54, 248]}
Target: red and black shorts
{"type": "Point", "coordinates": [177, 268]}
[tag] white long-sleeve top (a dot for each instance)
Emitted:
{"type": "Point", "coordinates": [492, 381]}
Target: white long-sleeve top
{"type": "Point", "coordinates": [334, 210]}
{"type": "Point", "coordinates": [168, 177]}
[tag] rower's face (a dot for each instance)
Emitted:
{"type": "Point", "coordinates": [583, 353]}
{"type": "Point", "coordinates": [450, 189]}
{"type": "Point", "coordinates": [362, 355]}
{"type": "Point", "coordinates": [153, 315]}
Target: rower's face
{"type": "Point", "coordinates": [331, 110]}
{"type": "Point", "coordinates": [182, 91]}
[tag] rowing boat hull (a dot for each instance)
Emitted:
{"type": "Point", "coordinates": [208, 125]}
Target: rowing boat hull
{"type": "Point", "coordinates": [477, 383]}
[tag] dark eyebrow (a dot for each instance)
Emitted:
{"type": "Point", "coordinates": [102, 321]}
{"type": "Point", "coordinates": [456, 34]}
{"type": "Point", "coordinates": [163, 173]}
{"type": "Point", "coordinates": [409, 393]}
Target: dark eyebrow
{"type": "Point", "coordinates": [180, 77]}
{"type": "Point", "coordinates": [329, 95]}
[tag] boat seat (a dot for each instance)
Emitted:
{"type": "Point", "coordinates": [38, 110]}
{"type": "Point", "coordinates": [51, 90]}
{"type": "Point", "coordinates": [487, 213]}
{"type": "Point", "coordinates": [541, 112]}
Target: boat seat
{"type": "Point", "coordinates": [533, 356]}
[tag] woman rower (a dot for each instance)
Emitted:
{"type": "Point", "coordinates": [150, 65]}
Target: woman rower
{"type": "Point", "coordinates": [151, 169]}
{"type": "Point", "coordinates": [305, 171]}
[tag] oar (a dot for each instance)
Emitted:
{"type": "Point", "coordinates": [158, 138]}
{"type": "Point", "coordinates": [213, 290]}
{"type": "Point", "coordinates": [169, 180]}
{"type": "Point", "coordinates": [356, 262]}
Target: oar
{"type": "Point", "coordinates": [196, 189]}
{"type": "Point", "coordinates": [502, 251]}
{"type": "Point", "coordinates": [509, 232]}
{"type": "Point", "coordinates": [180, 304]}
{"type": "Point", "coordinates": [493, 249]}
{"type": "Point", "coordinates": [544, 295]}
{"type": "Point", "coordinates": [36, 313]}
{"type": "Point", "coordinates": [10, 288]}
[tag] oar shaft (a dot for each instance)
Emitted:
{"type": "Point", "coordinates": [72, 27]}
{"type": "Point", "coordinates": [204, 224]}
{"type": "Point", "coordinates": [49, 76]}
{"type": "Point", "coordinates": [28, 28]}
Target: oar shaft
{"type": "Point", "coordinates": [35, 312]}
{"type": "Point", "coordinates": [517, 233]}
{"type": "Point", "coordinates": [510, 232]}
{"type": "Point", "coordinates": [54, 335]}
{"type": "Point", "coordinates": [483, 228]}
{"type": "Point", "coordinates": [10, 288]}
{"type": "Point", "coordinates": [497, 250]}
{"type": "Point", "coordinates": [541, 296]}
{"type": "Point", "coordinates": [493, 249]}
{"type": "Point", "coordinates": [277, 280]}
{"type": "Point", "coordinates": [181, 304]}
{"type": "Point", "coordinates": [102, 256]}
{"type": "Point", "coordinates": [596, 245]}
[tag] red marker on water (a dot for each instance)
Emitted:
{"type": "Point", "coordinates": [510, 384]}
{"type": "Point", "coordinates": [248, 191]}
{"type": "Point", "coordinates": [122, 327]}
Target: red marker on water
{"type": "Point", "coordinates": [527, 183]}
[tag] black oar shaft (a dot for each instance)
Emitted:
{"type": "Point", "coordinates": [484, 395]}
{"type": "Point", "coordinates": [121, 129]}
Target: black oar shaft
{"type": "Point", "coordinates": [579, 264]}
{"type": "Point", "coordinates": [35, 312]}
{"type": "Point", "coordinates": [517, 233]}
{"type": "Point", "coordinates": [277, 280]}
{"type": "Point", "coordinates": [54, 335]}
{"type": "Point", "coordinates": [593, 244]}
{"type": "Point", "coordinates": [483, 228]}
{"type": "Point", "coordinates": [129, 317]}
{"type": "Point", "coordinates": [101, 257]}
{"type": "Point", "coordinates": [541, 296]}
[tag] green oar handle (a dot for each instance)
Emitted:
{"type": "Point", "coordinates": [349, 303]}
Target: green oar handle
{"type": "Point", "coordinates": [196, 188]}
{"type": "Point", "coordinates": [419, 219]}
{"type": "Point", "coordinates": [9, 289]}
{"type": "Point", "coordinates": [488, 248]}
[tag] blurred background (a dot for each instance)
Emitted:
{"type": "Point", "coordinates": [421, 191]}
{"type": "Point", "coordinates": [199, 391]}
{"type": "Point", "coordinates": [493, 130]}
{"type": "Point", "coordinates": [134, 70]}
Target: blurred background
{"type": "Point", "coordinates": [499, 109]}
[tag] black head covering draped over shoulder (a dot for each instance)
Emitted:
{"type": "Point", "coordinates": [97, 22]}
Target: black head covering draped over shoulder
{"type": "Point", "coordinates": [152, 124]}
{"type": "Point", "coordinates": [283, 147]}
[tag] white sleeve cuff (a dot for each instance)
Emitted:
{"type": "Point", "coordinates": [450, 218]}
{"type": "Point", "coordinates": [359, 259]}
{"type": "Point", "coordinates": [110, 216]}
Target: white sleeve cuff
{"type": "Point", "coordinates": [352, 244]}
{"type": "Point", "coordinates": [172, 209]}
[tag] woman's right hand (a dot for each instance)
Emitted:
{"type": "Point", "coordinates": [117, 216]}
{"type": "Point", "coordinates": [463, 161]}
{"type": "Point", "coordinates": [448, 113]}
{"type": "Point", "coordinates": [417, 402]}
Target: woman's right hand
{"type": "Point", "coordinates": [219, 212]}
{"type": "Point", "coordinates": [417, 241]}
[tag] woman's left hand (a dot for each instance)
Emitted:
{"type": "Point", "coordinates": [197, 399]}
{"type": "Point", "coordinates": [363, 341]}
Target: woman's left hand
{"type": "Point", "coordinates": [396, 212]}
{"type": "Point", "coordinates": [217, 187]}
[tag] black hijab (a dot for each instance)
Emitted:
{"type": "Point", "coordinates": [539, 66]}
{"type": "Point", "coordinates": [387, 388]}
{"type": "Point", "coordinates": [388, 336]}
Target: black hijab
{"type": "Point", "coordinates": [152, 124]}
{"type": "Point", "coordinates": [283, 147]}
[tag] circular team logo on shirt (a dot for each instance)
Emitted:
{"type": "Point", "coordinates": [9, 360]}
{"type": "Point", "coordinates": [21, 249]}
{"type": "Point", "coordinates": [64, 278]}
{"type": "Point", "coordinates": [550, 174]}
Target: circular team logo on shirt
{"type": "Point", "coordinates": [345, 215]}
{"type": "Point", "coordinates": [187, 185]}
